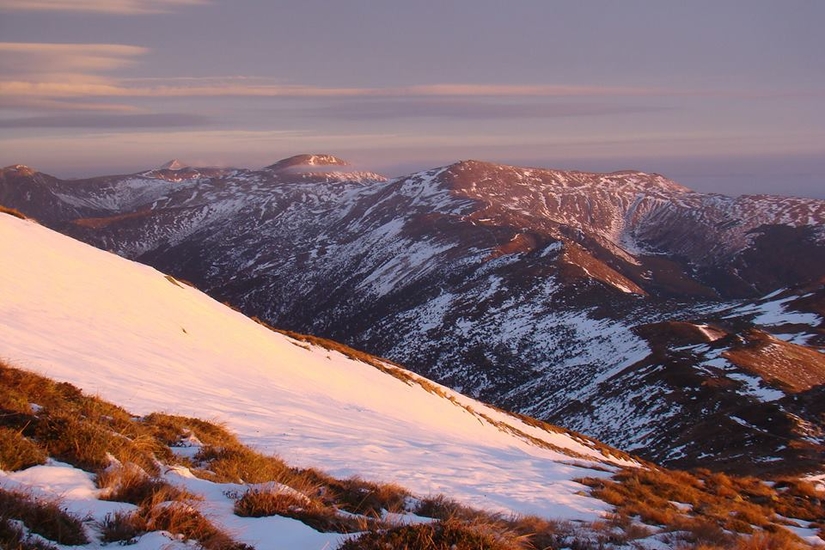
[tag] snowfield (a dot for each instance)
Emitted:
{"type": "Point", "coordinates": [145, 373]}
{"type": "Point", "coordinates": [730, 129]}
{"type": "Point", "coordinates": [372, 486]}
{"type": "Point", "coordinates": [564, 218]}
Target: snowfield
{"type": "Point", "coordinates": [150, 343]}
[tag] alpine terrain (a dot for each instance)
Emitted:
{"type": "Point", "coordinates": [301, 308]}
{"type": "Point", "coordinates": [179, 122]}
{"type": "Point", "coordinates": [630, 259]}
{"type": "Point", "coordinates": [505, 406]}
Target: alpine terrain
{"type": "Point", "coordinates": [378, 457]}
{"type": "Point", "coordinates": [682, 326]}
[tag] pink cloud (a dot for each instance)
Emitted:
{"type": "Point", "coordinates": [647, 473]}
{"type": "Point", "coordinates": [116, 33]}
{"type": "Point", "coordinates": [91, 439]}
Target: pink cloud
{"type": "Point", "coordinates": [112, 7]}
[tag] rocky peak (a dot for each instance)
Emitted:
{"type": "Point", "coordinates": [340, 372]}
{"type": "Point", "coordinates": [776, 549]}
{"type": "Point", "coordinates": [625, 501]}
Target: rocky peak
{"type": "Point", "coordinates": [18, 169]}
{"type": "Point", "coordinates": [304, 161]}
{"type": "Point", "coordinates": [173, 164]}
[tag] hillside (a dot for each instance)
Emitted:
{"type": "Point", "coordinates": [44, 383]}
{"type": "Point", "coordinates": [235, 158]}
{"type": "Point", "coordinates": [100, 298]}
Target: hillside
{"type": "Point", "coordinates": [148, 342]}
{"type": "Point", "coordinates": [535, 290]}
{"type": "Point", "coordinates": [76, 470]}
{"type": "Point", "coordinates": [129, 333]}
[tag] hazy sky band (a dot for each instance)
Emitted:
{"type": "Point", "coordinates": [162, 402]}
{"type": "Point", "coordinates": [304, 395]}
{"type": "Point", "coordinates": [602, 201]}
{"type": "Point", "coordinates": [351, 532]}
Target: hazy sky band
{"type": "Point", "coordinates": [89, 85]}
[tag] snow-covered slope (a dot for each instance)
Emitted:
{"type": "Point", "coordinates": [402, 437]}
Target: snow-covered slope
{"type": "Point", "coordinates": [523, 287]}
{"type": "Point", "coordinates": [150, 343]}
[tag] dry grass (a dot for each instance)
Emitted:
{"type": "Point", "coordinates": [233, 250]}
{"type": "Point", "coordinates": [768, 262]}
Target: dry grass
{"type": "Point", "coordinates": [524, 531]}
{"type": "Point", "coordinates": [130, 483]}
{"type": "Point", "coordinates": [172, 429]}
{"type": "Point", "coordinates": [450, 534]}
{"type": "Point", "coordinates": [180, 518]}
{"type": "Point", "coordinates": [358, 496]}
{"type": "Point", "coordinates": [12, 537]}
{"type": "Point", "coordinates": [40, 417]}
{"type": "Point", "coordinates": [122, 527]}
{"type": "Point", "coordinates": [43, 517]}
{"type": "Point", "coordinates": [723, 510]}
{"type": "Point", "coordinates": [286, 502]}
{"type": "Point", "coordinates": [780, 540]}
{"type": "Point", "coordinates": [87, 432]}
{"type": "Point", "coordinates": [316, 499]}
{"type": "Point", "coordinates": [240, 465]}
{"type": "Point", "coordinates": [272, 501]}
{"type": "Point", "coordinates": [12, 212]}
{"type": "Point", "coordinates": [18, 452]}
{"type": "Point", "coordinates": [73, 427]}
{"type": "Point", "coordinates": [163, 507]}
{"type": "Point", "coordinates": [442, 507]}
{"type": "Point", "coordinates": [783, 364]}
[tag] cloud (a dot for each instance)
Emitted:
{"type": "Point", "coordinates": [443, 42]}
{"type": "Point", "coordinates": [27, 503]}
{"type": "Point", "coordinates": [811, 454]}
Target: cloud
{"type": "Point", "coordinates": [101, 88]}
{"type": "Point", "coordinates": [41, 104]}
{"type": "Point", "coordinates": [463, 108]}
{"type": "Point", "coordinates": [95, 58]}
{"type": "Point", "coordinates": [68, 63]}
{"type": "Point", "coordinates": [107, 121]}
{"type": "Point", "coordinates": [112, 7]}
{"type": "Point", "coordinates": [35, 73]}
{"type": "Point", "coordinates": [77, 77]}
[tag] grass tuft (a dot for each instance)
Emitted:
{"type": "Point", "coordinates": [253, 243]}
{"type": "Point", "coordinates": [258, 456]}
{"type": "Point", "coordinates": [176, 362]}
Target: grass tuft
{"type": "Point", "coordinates": [18, 452]}
{"type": "Point", "coordinates": [723, 510]}
{"type": "Point", "coordinates": [122, 527]}
{"type": "Point", "coordinates": [180, 518]}
{"type": "Point", "coordinates": [450, 534]}
{"type": "Point", "coordinates": [173, 429]}
{"type": "Point", "coordinates": [43, 517]}
{"type": "Point", "coordinates": [12, 212]}
{"type": "Point", "coordinates": [130, 483]}
{"type": "Point", "coordinates": [241, 464]}
{"type": "Point", "coordinates": [286, 502]}
{"type": "Point", "coordinates": [358, 496]}
{"type": "Point", "coordinates": [12, 537]}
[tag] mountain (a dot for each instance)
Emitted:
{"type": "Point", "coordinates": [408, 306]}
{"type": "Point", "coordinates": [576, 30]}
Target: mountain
{"type": "Point", "coordinates": [145, 340]}
{"type": "Point", "coordinates": [173, 164]}
{"type": "Point", "coordinates": [579, 298]}
{"type": "Point", "coordinates": [124, 331]}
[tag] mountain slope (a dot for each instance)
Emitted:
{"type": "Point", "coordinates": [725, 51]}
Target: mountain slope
{"type": "Point", "coordinates": [152, 343]}
{"type": "Point", "coordinates": [528, 288]}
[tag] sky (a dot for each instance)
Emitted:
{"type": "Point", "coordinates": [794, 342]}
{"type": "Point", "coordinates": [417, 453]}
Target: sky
{"type": "Point", "coordinates": [722, 96]}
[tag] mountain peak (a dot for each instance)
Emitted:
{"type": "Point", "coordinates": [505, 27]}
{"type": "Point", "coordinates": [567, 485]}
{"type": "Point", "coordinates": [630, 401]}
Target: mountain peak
{"type": "Point", "coordinates": [307, 160]}
{"type": "Point", "coordinates": [21, 169]}
{"type": "Point", "coordinates": [173, 164]}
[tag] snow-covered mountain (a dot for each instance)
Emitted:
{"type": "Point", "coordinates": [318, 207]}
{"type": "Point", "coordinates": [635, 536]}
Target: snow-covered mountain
{"type": "Point", "coordinates": [546, 292]}
{"type": "Point", "coordinates": [151, 343]}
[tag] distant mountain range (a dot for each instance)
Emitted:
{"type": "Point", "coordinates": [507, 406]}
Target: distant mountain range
{"type": "Point", "coordinates": [683, 326]}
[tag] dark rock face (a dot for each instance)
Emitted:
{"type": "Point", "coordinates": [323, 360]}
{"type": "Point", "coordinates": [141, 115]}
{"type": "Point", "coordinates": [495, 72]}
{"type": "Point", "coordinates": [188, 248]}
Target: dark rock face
{"type": "Point", "coordinates": [584, 299]}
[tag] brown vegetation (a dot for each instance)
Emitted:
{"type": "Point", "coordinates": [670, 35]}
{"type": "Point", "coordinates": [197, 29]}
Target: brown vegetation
{"type": "Point", "coordinates": [18, 452]}
{"type": "Point", "coordinates": [789, 366]}
{"type": "Point", "coordinates": [72, 427]}
{"type": "Point", "coordinates": [450, 534]}
{"type": "Point", "coordinates": [130, 483]}
{"type": "Point", "coordinates": [40, 418]}
{"type": "Point", "coordinates": [122, 527]}
{"type": "Point", "coordinates": [710, 508]}
{"type": "Point", "coordinates": [44, 517]}
{"type": "Point", "coordinates": [12, 212]}
{"type": "Point", "coordinates": [181, 518]}
{"type": "Point", "coordinates": [13, 537]}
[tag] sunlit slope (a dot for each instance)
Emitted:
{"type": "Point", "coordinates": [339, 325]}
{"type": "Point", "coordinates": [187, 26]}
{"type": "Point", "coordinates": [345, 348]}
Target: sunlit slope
{"type": "Point", "coordinates": [149, 343]}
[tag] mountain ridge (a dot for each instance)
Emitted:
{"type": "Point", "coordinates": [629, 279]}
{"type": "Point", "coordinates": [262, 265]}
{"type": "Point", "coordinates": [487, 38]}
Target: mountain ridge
{"type": "Point", "coordinates": [523, 287]}
{"type": "Point", "coordinates": [174, 353]}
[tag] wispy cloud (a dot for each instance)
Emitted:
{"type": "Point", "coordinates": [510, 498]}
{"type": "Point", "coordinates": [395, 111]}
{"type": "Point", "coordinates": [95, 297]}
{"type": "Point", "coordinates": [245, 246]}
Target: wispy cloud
{"type": "Point", "coordinates": [113, 7]}
{"type": "Point", "coordinates": [95, 87]}
{"type": "Point", "coordinates": [61, 71]}
{"type": "Point", "coordinates": [40, 104]}
{"type": "Point", "coordinates": [30, 66]}
{"type": "Point", "coordinates": [72, 71]}
{"type": "Point", "coordinates": [470, 108]}
{"type": "Point", "coordinates": [39, 77]}
{"type": "Point", "coordinates": [108, 121]}
{"type": "Point", "coordinates": [69, 63]}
